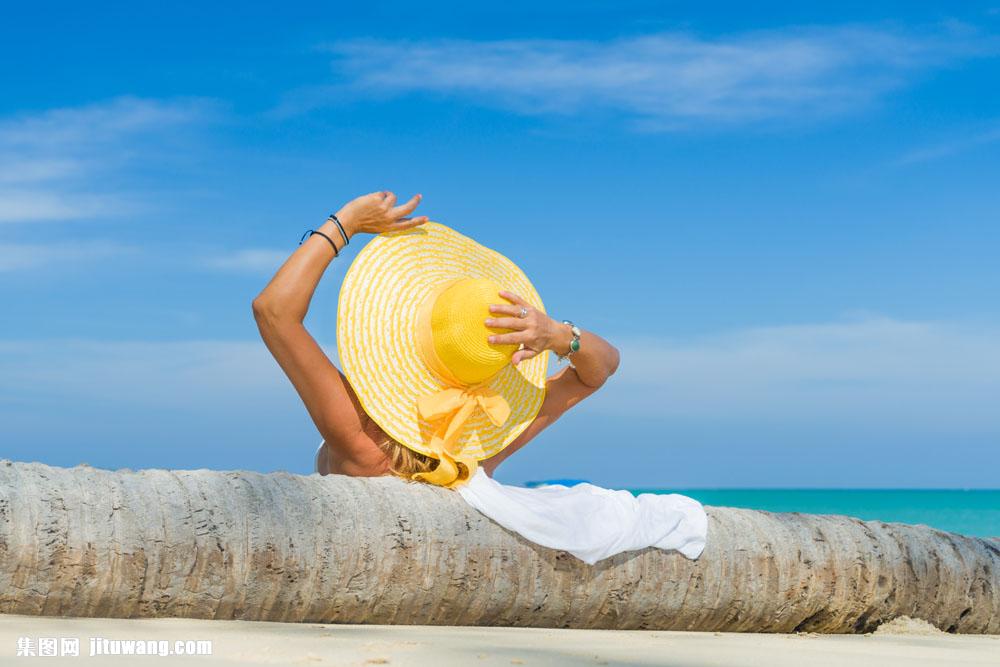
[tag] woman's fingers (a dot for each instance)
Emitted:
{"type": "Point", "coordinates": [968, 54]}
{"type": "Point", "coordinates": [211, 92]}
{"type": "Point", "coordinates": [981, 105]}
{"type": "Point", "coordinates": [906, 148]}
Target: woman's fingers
{"type": "Point", "coordinates": [507, 309]}
{"type": "Point", "coordinates": [516, 323]}
{"type": "Point", "coordinates": [511, 338]}
{"type": "Point", "coordinates": [510, 296]}
{"type": "Point", "coordinates": [407, 208]}
{"type": "Point", "coordinates": [522, 355]}
{"type": "Point", "coordinates": [390, 200]}
{"type": "Point", "coordinates": [406, 223]}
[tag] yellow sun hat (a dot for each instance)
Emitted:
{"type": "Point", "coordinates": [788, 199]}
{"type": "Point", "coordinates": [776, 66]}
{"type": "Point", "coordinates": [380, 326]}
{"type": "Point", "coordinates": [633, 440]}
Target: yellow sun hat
{"type": "Point", "coordinates": [412, 341]}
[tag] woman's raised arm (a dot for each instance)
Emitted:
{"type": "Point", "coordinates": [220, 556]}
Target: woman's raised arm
{"type": "Point", "coordinates": [288, 294]}
{"type": "Point", "coordinates": [281, 308]}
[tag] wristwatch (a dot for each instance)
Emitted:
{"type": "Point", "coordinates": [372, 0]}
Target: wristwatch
{"type": "Point", "coordinates": [574, 345]}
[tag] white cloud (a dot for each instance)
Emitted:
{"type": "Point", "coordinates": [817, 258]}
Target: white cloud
{"type": "Point", "coordinates": [23, 256]}
{"type": "Point", "coordinates": [662, 80]}
{"type": "Point", "coordinates": [876, 371]}
{"type": "Point", "coordinates": [947, 148]}
{"type": "Point", "coordinates": [251, 260]}
{"type": "Point", "coordinates": [875, 374]}
{"type": "Point", "coordinates": [36, 170]}
{"type": "Point", "coordinates": [98, 123]}
{"type": "Point", "coordinates": [56, 164]}
{"type": "Point", "coordinates": [193, 375]}
{"type": "Point", "coordinates": [34, 205]}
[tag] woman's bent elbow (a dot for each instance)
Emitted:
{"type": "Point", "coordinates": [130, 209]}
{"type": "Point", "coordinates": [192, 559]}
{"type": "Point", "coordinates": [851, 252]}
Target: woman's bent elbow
{"type": "Point", "coordinates": [264, 312]}
{"type": "Point", "coordinates": [259, 307]}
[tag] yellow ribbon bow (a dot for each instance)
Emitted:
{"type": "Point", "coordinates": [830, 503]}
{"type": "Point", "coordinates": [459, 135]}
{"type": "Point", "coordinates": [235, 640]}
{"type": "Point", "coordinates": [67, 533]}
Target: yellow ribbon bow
{"type": "Point", "coordinates": [454, 406]}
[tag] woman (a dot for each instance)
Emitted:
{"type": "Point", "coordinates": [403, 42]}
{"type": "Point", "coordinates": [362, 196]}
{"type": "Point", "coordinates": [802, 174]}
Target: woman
{"type": "Point", "coordinates": [446, 375]}
{"type": "Point", "coordinates": [353, 443]}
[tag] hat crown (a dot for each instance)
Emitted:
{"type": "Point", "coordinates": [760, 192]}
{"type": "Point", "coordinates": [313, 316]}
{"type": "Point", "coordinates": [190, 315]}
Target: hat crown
{"type": "Point", "coordinates": [459, 332]}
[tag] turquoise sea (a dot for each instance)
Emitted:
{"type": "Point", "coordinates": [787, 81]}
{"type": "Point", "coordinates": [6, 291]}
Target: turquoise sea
{"type": "Point", "coordinates": [970, 512]}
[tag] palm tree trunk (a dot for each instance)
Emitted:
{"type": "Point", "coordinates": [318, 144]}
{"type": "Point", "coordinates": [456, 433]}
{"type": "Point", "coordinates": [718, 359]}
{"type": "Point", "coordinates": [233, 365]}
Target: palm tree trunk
{"type": "Point", "coordinates": [280, 547]}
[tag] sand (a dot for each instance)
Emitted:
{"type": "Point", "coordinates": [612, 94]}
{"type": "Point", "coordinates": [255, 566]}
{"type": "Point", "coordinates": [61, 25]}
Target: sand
{"type": "Point", "coordinates": [908, 642]}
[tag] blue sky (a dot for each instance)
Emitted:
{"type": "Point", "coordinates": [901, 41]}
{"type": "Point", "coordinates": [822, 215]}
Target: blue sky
{"type": "Point", "coordinates": [785, 216]}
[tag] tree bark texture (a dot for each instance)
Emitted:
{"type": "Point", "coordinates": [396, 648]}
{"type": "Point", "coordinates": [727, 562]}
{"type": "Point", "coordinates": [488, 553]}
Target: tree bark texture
{"type": "Point", "coordinates": [334, 549]}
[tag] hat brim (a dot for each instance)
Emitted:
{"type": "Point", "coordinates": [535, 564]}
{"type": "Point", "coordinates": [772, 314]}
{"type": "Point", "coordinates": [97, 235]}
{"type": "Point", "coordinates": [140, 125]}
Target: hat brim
{"type": "Point", "coordinates": [376, 315]}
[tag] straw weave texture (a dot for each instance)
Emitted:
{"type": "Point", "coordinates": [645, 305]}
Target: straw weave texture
{"type": "Point", "coordinates": [376, 315]}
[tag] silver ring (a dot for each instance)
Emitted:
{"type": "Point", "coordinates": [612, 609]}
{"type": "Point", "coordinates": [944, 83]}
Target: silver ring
{"type": "Point", "coordinates": [524, 312]}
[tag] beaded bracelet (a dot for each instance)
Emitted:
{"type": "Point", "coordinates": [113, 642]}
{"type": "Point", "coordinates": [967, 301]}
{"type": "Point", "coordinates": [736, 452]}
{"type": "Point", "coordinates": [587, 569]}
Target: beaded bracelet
{"type": "Point", "coordinates": [310, 232]}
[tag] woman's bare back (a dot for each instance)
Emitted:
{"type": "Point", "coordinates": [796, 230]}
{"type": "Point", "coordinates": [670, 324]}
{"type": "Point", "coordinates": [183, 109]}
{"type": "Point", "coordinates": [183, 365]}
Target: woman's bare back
{"type": "Point", "coordinates": [328, 462]}
{"type": "Point", "coordinates": [375, 460]}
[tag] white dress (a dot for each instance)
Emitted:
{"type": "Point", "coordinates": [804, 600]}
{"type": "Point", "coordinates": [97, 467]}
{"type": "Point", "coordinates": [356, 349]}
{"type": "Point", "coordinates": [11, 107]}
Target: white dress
{"type": "Point", "coordinates": [588, 521]}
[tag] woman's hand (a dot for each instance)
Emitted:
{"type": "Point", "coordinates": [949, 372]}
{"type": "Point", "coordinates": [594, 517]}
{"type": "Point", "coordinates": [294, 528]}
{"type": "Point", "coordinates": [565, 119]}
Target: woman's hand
{"type": "Point", "coordinates": [537, 331]}
{"type": "Point", "coordinates": [377, 212]}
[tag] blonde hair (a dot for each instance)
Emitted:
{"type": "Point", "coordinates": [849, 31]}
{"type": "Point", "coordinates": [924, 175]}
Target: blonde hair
{"type": "Point", "coordinates": [404, 462]}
